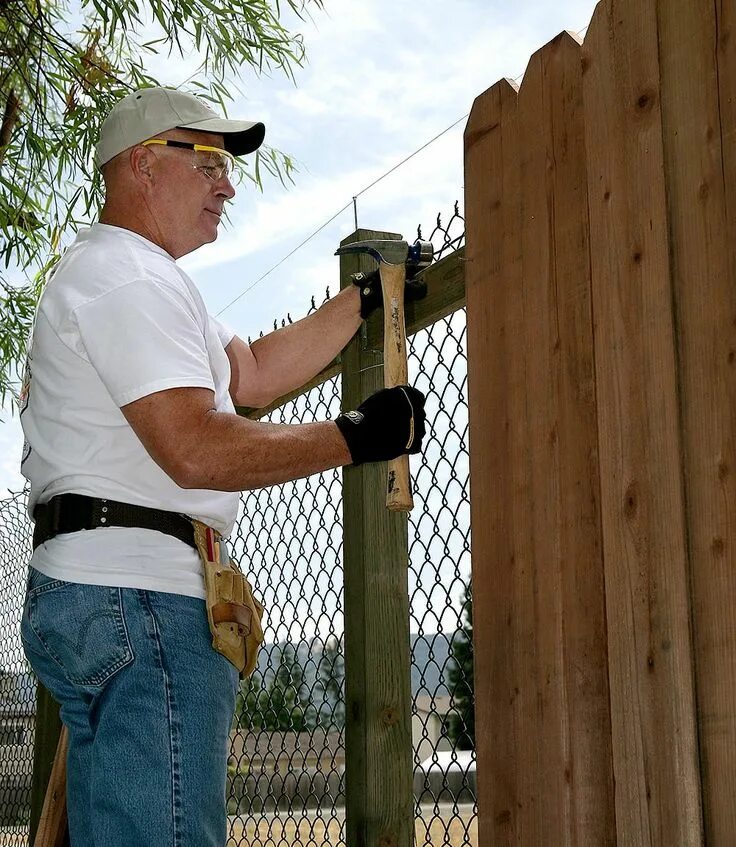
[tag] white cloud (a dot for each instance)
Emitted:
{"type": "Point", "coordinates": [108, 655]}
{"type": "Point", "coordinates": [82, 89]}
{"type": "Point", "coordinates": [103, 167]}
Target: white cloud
{"type": "Point", "coordinates": [297, 103]}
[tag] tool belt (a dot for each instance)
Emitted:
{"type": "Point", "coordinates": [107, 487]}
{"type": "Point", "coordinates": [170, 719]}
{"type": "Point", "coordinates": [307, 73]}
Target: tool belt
{"type": "Point", "coordinates": [234, 614]}
{"type": "Point", "coordinates": [73, 512]}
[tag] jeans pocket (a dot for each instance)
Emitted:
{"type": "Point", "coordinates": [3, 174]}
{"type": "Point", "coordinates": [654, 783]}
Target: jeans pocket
{"type": "Point", "coordinates": [81, 627]}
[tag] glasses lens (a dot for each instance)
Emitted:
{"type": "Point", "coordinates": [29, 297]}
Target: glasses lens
{"type": "Point", "coordinates": [213, 165]}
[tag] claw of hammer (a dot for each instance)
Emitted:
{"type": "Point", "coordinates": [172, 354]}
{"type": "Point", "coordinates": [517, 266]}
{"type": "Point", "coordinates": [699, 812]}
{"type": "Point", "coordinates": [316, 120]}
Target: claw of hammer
{"type": "Point", "coordinates": [419, 255]}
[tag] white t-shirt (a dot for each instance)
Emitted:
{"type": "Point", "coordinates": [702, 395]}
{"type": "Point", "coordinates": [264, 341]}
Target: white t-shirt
{"type": "Point", "coordinates": [118, 320]}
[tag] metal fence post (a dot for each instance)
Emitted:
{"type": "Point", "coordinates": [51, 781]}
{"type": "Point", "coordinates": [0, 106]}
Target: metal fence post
{"type": "Point", "coordinates": [379, 795]}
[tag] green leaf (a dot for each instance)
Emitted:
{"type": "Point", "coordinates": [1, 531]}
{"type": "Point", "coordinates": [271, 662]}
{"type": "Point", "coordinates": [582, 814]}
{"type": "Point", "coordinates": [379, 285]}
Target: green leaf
{"type": "Point", "coordinates": [68, 81]}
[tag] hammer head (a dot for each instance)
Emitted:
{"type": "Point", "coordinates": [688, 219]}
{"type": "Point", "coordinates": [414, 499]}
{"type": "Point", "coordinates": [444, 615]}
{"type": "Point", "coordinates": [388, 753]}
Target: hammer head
{"type": "Point", "coordinates": [419, 255]}
{"type": "Point", "coordinates": [390, 252]}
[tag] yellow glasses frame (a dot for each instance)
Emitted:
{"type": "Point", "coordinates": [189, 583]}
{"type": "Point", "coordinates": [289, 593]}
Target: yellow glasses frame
{"type": "Point", "coordinates": [204, 148]}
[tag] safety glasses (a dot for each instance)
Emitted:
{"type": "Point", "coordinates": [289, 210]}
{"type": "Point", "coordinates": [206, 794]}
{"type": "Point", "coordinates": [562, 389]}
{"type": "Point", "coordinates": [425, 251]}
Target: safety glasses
{"type": "Point", "coordinates": [214, 162]}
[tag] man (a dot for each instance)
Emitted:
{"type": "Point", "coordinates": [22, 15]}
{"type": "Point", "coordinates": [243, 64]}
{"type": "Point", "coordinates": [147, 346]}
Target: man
{"type": "Point", "coordinates": [130, 430]}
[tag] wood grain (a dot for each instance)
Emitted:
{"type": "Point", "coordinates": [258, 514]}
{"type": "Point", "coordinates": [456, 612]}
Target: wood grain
{"type": "Point", "coordinates": [568, 752]}
{"type": "Point", "coordinates": [645, 556]}
{"type": "Point", "coordinates": [380, 805]}
{"type": "Point", "coordinates": [47, 733]}
{"type": "Point", "coordinates": [498, 470]}
{"type": "Point", "coordinates": [698, 86]}
{"type": "Point", "coordinates": [52, 828]}
{"type": "Point", "coordinates": [396, 372]}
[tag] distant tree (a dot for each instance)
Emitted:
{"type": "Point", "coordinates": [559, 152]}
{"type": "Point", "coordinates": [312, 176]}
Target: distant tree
{"type": "Point", "coordinates": [460, 722]}
{"type": "Point", "coordinates": [58, 82]}
{"type": "Point", "coordinates": [248, 703]}
{"type": "Point", "coordinates": [331, 681]}
{"type": "Point", "coordinates": [285, 705]}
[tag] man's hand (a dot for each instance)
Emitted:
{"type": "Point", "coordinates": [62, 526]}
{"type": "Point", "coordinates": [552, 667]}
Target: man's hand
{"type": "Point", "coordinates": [371, 294]}
{"type": "Point", "coordinates": [387, 424]}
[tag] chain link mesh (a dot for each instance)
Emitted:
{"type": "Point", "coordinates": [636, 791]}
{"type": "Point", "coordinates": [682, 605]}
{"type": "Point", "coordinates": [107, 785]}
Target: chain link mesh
{"type": "Point", "coordinates": [439, 580]}
{"type": "Point", "coordinates": [17, 684]}
{"type": "Point", "coordinates": [287, 758]}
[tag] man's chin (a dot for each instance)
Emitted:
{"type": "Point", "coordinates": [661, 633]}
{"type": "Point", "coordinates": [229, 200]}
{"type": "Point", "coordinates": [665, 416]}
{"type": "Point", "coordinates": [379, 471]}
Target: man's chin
{"type": "Point", "coordinates": [210, 233]}
{"type": "Point", "coordinates": [207, 238]}
{"type": "Point", "coordinates": [214, 225]}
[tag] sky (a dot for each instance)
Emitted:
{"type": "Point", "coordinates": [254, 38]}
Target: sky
{"type": "Point", "coordinates": [382, 78]}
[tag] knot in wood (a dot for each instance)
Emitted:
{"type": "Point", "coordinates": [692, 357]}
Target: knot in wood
{"type": "Point", "coordinates": [390, 715]}
{"type": "Point", "coordinates": [631, 501]}
{"type": "Point", "coordinates": [645, 102]}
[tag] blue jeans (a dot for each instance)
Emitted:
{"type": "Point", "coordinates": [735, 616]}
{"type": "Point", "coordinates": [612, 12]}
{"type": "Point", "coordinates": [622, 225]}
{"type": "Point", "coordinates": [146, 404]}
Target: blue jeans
{"type": "Point", "coordinates": [148, 704]}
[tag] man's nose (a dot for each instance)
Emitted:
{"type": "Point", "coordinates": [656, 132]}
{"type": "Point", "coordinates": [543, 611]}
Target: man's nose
{"type": "Point", "coordinates": [225, 188]}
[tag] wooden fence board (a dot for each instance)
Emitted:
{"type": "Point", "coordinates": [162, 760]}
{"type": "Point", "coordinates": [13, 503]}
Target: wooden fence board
{"type": "Point", "coordinates": [649, 645]}
{"type": "Point", "coordinates": [492, 274]}
{"type": "Point", "coordinates": [568, 754]}
{"type": "Point", "coordinates": [725, 46]}
{"type": "Point", "coordinates": [705, 295]}
{"type": "Point", "coordinates": [538, 593]}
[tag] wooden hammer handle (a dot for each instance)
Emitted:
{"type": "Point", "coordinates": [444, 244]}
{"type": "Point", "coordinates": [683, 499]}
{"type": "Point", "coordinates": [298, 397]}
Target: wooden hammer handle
{"type": "Point", "coordinates": [51, 830]}
{"type": "Point", "coordinates": [393, 280]}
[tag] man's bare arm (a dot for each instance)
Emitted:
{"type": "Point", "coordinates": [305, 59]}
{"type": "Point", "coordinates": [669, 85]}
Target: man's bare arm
{"type": "Point", "coordinates": [286, 359]}
{"type": "Point", "coordinates": [199, 447]}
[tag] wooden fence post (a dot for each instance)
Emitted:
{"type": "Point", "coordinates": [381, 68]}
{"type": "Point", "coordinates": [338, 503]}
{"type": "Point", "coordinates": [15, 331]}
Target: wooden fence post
{"type": "Point", "coordinates": [380, 806]}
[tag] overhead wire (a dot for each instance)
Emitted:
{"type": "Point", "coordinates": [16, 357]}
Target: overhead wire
{"type": "Point", "coordinates": [353, 202]}
{"type": "Point", "coordinates": [339, 212]}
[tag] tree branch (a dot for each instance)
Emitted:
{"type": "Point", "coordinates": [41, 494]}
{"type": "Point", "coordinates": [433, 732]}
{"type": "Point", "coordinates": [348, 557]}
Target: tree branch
{"type": "Point", "coordinates": [10, 119]}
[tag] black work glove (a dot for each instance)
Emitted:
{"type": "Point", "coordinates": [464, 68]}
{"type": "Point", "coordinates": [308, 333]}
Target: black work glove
{"type": "Point", "coordinates": [371, 294]}
{"type": "Point", "coordinates": [387, 424]}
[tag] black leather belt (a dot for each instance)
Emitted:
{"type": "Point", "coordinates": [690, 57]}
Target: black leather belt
{"type": "Point", "coordinates": [73, 512]}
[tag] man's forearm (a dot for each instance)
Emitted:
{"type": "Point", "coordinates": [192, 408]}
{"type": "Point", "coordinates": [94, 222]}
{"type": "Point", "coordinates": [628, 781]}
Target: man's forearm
{"type": "Point", "coordinates": [289, 357]}
{"type": "Point", "coordinates": [232, 453]}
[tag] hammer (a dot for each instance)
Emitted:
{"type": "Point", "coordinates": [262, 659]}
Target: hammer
{"type": "Point", "coordinates": [52, 825]}
{"type": "Point", "coordinates": [394, 258]}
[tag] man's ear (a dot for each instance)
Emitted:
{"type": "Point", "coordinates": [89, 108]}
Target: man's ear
{"type": "Point", "coordinates": [141, 163]}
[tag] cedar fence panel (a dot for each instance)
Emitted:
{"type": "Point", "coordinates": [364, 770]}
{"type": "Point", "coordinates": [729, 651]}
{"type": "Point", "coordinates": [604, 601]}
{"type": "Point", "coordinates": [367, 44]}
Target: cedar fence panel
{"type": "Point", "coordinates": [601, 271]}
{"type": "Point", "coordinates": [703, 252]}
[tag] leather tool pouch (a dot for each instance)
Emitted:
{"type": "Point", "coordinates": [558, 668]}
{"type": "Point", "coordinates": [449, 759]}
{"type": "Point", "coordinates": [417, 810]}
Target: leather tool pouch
{"type": "Point", "coordinates": [233, 612]}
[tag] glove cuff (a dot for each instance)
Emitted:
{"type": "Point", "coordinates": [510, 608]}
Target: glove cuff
{"type": "Point", "coordinates": [371, 296]}
{"type": "Point", "coordinates": [348, 423]}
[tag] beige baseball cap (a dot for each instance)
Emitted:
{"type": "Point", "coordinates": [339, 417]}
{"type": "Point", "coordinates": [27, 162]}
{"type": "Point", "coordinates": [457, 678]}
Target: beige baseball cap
{"type": "Point", "coordinates": [150, 111]}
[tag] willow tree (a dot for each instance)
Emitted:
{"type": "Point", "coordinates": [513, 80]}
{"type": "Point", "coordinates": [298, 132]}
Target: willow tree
{"type": "Point", "coordinates": [57, 82]}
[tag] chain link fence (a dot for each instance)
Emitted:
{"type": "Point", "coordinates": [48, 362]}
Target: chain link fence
{"type": "Point", "coordinates": [287, 759]}
{"type": "Point", "coordinates": [17, 683]}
